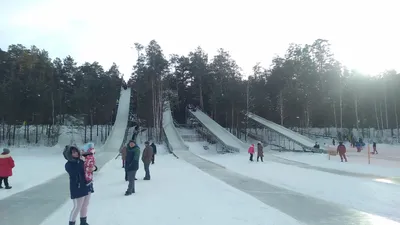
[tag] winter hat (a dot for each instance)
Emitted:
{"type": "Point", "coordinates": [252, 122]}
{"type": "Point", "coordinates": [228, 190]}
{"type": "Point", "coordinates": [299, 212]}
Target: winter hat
{"type": "Point", "coordinates": [88, 148]}
{"type": "Point", "coordinates": [6, 151]}
{"type": "Point", "coordinates": [147, 143]}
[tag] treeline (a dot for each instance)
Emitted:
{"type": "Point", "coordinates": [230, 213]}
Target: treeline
{"type": "Point", "coordinates": [306, 87]}
{"type": "Point", "coordinates": [34, 89]}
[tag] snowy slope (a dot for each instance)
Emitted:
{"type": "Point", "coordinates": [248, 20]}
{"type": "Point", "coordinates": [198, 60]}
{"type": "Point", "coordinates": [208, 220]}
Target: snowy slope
{"type": "Point", "coordinates": [175, 140]}
{"type": "Point", "coordinates": [225, 136]}
{"type": "Point", "coordinates": [303, 140]}
{"type": "Point", "coordinates": [177, 194]}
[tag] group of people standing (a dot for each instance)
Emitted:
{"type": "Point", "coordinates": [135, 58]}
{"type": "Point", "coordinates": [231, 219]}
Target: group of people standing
{"type": "Point", "coordinates": [80, 166]}
{"type": "Point", "coordinates": [260, 152]}
{"type": "Point", "coordinates": [130, 155]}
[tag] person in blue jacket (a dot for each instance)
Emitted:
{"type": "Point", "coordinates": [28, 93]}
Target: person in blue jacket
{"type": "Point", "coordinates": [79, 189]}
{"type": "Point", "coordinates": [131, 165]}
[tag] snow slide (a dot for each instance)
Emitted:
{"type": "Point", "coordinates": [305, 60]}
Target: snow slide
{"type": "Point", "coordinates": [221, 133]}
{"type": "Point", "coordinates": [296, 137]}
{"type": "Point", "coordinates": [175, 141]}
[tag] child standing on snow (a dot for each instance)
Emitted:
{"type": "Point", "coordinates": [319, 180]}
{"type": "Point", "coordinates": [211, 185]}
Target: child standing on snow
{"type": "Point", "coordinates": [251, 152]}
{"type": "Point", "coordinates": [6, 166]}
{"type": "Point", "coordinates": [90, 162]}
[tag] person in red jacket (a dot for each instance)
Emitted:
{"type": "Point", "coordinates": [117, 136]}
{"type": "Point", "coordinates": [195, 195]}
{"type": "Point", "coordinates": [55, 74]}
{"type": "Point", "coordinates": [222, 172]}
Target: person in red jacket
{"type": "Point", "coordinates": [6, 166]}
{"type": "Point", "coordinates": [341, 150]}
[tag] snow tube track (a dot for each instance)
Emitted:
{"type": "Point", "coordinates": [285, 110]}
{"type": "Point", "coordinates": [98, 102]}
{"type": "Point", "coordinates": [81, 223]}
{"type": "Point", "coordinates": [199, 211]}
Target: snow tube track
{"type": "Point", "coordinates": [175, 141]}
{"type": "Point", "coordinates": [300, 139]}
{"type": "Point", "coordinates": [221, 133]}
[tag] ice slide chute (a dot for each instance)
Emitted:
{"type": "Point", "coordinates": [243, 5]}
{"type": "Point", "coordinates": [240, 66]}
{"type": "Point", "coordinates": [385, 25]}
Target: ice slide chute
{"type": "Point", "coordinates": [226, 138]}
{"type": "Point", "coordinates": [118, 131]}
{"type": "Point", "coordinates": [306, 143]}
{"type": "Point", "coordinates": [174, 140]}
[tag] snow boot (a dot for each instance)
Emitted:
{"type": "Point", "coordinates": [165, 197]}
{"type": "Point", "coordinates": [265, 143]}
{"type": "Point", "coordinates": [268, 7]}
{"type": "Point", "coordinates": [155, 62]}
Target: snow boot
{"type": "Point", "coordinates": [8, 187]}
{"type": "Point", "coordinates": [83, 221]}
{"type": "Point", "coordinates": [128, 193]}
{"type": "Point", "coordinates": [71, 223]}
{"type": "Point", "coordinates": [1, 187]}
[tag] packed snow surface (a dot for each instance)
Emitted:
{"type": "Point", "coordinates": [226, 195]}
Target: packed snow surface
{"type": "Point", "coordinates": [366, 195]}
{"type": "Point", "coordinates": [178, 194]}
{"type": "Point", "coordinates": [33, 166]}
{"type": "Point", "coordinates": [357, 163]}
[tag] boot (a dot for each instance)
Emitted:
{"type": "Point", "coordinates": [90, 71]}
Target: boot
{"type": "Point", "coordinates": [71, 223]}
{"type": "Point", "coordinates": [1, 187]}
{"type": "Point", "coordinates": [8, 187]}
{"type": "Point", "coordinates": [83, 221]}
{"type": "Point", "coordinates": [127, 193]}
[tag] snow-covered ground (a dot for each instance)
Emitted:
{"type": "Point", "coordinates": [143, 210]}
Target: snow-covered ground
{"type": "Point", "coordinates": [33, 166]}
{"type": "Point", "coordinates": [385, 164]}
{"type": "Point", "coordinates": [362, 194]}
{"type": "Point", "coordinates": [357, 163]}
{"type": "Point", "coordinates": [177, 194]}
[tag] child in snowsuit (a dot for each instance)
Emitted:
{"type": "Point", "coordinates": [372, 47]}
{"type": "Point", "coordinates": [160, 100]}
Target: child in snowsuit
{"type": "Point", "coordinates": [251, 152]}
{"type": "Point", "coordinates": [341, 150]}
{"type": "Point", "coordinates": [6, 166]}
{"type": "Point", "coordinates": [260, 152]}
{"type": "Point", "coordinates": [90, 162]}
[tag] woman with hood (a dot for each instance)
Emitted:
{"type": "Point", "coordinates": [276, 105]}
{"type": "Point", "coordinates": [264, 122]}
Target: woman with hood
{"type": "Point", "coordinates": [251, 152]}
{"type": "Point", "coordinates": [79, 189]}
{"type": "Point", "coordinates": [6, 166]}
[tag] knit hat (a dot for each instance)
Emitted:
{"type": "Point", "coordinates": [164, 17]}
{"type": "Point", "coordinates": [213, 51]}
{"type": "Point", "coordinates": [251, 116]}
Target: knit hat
{"type": "Point", "coordinates": [147, 143]}
{"type": "Point", "coordinates": [6, 151]}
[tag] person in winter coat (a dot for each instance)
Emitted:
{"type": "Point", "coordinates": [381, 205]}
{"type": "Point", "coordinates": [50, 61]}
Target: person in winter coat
{"type": "Point", "coordinates": [154, 152]}
{"type": "Point", "coordinates": [135, 133]}
{"type": "Point", "coordinates": [358, 146]}
{"type": "Point", "coordinates": [90, 162]}
{"type": "Point", "coordinates": [147, 156]}
{"type": "Point", "coordinates": [341, 150]}
{"type": "Point", "coordinates": [251, 152]}
{"type": "Point", "coordinates": [80, 190]}
{"type": "Point", "coordinates": [260, 152]}
{"type": "Point", "coordinates": [122, 152]}
{"type": "Point", "coordinates": [131, 165]}
{"type": "Point", "coordinates": [6, 166]}
{"type": "Point", "coordinates": [374, 148]}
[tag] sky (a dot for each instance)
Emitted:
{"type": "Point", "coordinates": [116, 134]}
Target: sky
{"type": "Point", "coordinates": [365, 35]}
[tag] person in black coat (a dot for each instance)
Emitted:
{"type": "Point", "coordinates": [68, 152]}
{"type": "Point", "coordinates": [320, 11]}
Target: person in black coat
{"type": "Point", "coordinates": [79, 189]}
{"type": "Point", "coordinates": [154, 152]}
